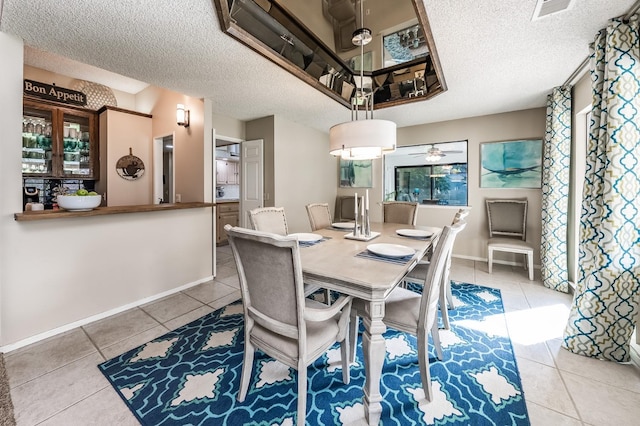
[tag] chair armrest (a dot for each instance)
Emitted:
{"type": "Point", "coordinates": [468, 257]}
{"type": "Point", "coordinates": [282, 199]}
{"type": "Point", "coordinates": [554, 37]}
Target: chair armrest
{"type": "Point", "coordinates": [323, 314]}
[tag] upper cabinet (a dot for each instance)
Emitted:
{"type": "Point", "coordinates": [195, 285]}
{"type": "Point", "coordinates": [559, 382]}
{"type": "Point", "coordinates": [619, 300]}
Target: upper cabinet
{"type": "Point", "coordinates": [59, 142]}
{"type": "Point", "coordinates": [227, 172]}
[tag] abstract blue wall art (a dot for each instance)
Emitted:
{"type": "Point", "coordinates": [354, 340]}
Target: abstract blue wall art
{"type": "Point", "coordinates": [511, 164]}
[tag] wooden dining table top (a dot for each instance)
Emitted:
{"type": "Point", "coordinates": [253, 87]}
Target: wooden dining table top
{"type": "Point", "coordinates": [333, 263]}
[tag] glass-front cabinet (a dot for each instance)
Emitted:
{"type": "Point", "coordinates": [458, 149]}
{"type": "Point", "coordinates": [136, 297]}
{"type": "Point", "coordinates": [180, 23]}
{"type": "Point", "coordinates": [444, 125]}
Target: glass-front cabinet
{"type": "Point", "coordinates": [59, 141]}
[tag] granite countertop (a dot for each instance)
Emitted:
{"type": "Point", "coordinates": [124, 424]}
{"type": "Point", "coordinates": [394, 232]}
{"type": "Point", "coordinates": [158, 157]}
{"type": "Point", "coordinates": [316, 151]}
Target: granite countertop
{"type": "Point", "coordinates": [227, 200]}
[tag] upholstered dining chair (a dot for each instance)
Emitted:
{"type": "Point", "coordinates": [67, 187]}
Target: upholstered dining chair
{"type": "Point", "coordinates": [419, 272]}
{"type": "Point", "coordinates": [415, 313]}
{"type": "Point", "coordinates": [274, 220]}
{"type": "Point", "coordinates": [508, 229]}
{"type": "Point", "coordinates": [345, 208]}
{"type": "Point", "coordinates": [400, 212]}
{"type": "Point", "coordinates": [269, 219]}
{"type": "Point", "coordinates": [319, 215]}
{"type": "Point", "coordinates": [279, 320]}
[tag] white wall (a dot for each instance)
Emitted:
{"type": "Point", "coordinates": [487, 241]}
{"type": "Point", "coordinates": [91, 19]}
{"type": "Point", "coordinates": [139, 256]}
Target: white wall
{"type": "Point", "coordinates": [61, 272]}
{"type": "Point", "coordinates": [304, 172]}
{"type": "Point", "coordinates": [11, 52]}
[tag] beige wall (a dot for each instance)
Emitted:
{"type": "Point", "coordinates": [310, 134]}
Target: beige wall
{"type": "Point", "coordinates": [304, 172]}
{"type": "Point", "coordinates": [228, 126]}
{"type": "Point", "coordinates": [123, 131]}
{"type": "Point", "coordinates": [124, 100]}
{"type": "Point", "coordinates": [188, 149]}
{"type": "Point", "coordinates": [491, 128]}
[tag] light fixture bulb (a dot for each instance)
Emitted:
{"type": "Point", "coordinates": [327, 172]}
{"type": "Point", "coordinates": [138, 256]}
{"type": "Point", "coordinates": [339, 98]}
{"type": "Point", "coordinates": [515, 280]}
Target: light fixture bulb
{"type": "Point", "coordinates": [182, 115]}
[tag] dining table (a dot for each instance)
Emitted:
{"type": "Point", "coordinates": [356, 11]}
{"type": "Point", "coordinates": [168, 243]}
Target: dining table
{"type": "Point", "coordinates": [346, 265]}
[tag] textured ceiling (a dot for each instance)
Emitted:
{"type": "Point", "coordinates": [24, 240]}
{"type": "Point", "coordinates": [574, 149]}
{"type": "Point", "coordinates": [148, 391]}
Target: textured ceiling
{"type": "Point", "coordinates": [494, 58]}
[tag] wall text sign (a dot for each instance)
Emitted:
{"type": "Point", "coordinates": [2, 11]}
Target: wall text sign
{"type": "Point", "coordinates": [54, 93]}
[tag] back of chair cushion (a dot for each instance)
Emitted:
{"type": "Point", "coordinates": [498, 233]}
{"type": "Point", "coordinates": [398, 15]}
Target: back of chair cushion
{"type": "Point", "coordinates": [345, 208]}
{"type": "Point", "coordinates": [507, 217]}
{"type": "Point", "coordinates": [400, 212]}
{"type": "Point", "coordinates": [269, 219]}
{"type": "Point", "coordinates": [319, 215]}
{"type": "Point", "coordinates": [269, 278]}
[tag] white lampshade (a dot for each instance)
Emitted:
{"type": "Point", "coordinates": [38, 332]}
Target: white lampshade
{"type": "Point", "coordinates": [362, 139]}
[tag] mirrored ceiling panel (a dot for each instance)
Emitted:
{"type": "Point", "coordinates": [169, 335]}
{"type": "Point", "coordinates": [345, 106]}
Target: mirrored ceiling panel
{"type": "Point", "coordinates": [312, 39]}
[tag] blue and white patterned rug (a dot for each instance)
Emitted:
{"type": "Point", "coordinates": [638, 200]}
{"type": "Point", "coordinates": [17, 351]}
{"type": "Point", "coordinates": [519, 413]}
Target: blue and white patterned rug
{"type": "Point", "coordinates": [191, 376]}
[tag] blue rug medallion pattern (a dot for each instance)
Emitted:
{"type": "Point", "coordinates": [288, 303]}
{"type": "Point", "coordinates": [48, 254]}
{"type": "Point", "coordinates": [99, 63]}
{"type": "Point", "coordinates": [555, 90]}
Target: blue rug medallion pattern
{"type": "Point", "coordinates": [191, 375]}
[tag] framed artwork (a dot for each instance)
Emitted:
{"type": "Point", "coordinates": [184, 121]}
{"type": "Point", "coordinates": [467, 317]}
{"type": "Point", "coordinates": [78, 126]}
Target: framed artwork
{"type": "Point", "coordinates": [511, 164]}
{"type": "Point", "coordinates": [356, 173]}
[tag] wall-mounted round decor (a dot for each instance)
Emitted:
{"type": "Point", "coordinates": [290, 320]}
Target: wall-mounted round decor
{"type": "Point", "coordinates": [130, 167]}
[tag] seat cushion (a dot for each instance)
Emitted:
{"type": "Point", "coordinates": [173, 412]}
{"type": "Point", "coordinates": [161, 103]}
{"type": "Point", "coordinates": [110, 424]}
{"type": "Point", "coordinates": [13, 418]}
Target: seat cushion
{"type": "Point", "coordinates": [320, 336]}
{"type": "Point", "coordinates": [402, 310]}
{"type": "Point", "coordinates": [509, 244]}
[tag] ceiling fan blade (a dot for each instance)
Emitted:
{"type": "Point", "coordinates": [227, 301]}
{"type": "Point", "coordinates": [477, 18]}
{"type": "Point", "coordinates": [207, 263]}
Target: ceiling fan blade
{"type": "Point", "coordinates": [452, 152]}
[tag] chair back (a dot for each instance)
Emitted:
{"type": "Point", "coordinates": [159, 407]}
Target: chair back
{"type": "Point", "coordinates": [435, 273]}
{"type": "Point", "coordinates": [269, 219]}
{"type": "Point", "coordinates": [270, 276]}
{"type": "Point", "coordinates": [319, 215]}
{"type": "Point", "coordinates": [507, 217]}
{"type": "Point", "coordinates": [460, 215]}
{"type": "Point", "coordinates": [400, 212]}
{"type": "Point", "coordinates": [345, 208]}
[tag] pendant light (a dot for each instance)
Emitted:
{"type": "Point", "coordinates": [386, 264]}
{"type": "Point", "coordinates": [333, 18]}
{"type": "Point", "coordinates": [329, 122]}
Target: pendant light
{"type": "Point", "coordinates": [362, 139]}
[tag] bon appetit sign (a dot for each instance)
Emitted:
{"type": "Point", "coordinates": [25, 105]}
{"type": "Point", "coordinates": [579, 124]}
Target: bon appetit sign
{"type": "Point", "coordinates": [54, 93]}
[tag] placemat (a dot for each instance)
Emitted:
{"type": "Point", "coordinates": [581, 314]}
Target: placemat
{"type": "Point", "coordinates": [397, 260]}
{"type": "Point", "coordinates": [312, 243]}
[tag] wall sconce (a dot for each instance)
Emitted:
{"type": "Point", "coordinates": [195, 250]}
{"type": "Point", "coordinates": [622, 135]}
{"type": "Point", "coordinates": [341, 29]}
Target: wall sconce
{"type": "Point", "coordinates": [182, 116]}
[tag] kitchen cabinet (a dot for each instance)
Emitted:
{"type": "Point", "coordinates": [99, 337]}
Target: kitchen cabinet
{"type": "Point", "coordinates": [228, 213]}
{"type": "Point", "coordinates": [59, 141]}
{"type": "Point", "coordinates": [227, 172]}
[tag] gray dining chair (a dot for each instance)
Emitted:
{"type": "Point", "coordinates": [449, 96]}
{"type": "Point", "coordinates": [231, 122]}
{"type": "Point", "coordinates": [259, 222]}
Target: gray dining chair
{"type": "Point", "coordinates": [279, 320]}
{"type": "Point", "coordinates": [508, 229]}
{"type": "Point", "coordinates": [400, 212]}
{"type": "Point", "coordinates": [417, 275]}
{"type": "Point", "coordinates": [319, 215]}
{"type": "Point", "coordinates": [269, 219]}
{"type": "Point", "coordinates": [415, 313]}
{"type": "Point", "coordinates": [274, 220]}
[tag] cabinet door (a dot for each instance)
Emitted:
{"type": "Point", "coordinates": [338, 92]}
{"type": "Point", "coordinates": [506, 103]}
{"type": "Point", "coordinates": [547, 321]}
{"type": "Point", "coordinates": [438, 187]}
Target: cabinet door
{"type": "Point", "coordinates": [78, 147]}
{"type": "Point", "coordinates": [37, 141]}
{"type": "Point", "coordinates": [230, 218]}
{"type": "Point", "coordinates": [221, 172]}
{"type": "Point", "coordinates": [59, 142]}
{"type": "Point", "coordinates": [233, 172]}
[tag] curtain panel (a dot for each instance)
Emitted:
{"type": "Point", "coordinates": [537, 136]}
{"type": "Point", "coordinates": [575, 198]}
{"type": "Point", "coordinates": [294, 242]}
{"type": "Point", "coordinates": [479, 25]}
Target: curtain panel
{"type": "Point", "coordinates": [601, 319]}
{"type": "Point", "coordinates": [555, 190]}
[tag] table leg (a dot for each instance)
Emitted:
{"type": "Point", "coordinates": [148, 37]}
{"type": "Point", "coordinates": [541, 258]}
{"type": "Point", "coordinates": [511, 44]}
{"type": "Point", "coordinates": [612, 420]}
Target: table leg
{"type": "Point", "coordinates": [374, 350]}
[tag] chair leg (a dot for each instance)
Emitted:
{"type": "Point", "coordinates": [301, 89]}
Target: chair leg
{"type": "Point", "coordinates": [530, 262]}
{"type": "Point", "coordinates": [435, 334]}
{"type": "Point", "coordinates": [302, 394]}
{"type": "Point", "coordinates": [353, 335]}
{"type": "Point", "coordinates": [490, 259]}
{"type": "Point", "coordinates": [423, 363]}
{"type": "Point", "coordinates": [247, 366]}
{"type": "Point", "coordinates": [443, 307]}
{"type": "Point", "coordinates": [327, 296]}
{"type": "Point", "coordinates": [345, 353]}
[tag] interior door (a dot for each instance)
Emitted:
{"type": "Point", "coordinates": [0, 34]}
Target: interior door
{"type": "Point", "coordinates": [252, 180]}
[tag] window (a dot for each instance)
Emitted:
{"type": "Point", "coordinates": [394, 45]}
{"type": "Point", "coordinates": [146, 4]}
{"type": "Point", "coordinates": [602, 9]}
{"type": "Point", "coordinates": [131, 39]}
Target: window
{"type": "Point", "coordinates": [428, 174]}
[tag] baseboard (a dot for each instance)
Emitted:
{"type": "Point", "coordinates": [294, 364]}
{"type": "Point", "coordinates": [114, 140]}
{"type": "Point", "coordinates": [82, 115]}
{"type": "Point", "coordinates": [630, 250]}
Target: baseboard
{"type": "Point", "coordinates": [485, 260]}
{"type": "Point", "coordinates": [97, 317]}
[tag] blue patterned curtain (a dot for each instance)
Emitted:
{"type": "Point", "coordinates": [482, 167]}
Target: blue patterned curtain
{"type": "Point", "coordinates": [555, 190]}
{"type": "Point", "coordinates": [601, 320]}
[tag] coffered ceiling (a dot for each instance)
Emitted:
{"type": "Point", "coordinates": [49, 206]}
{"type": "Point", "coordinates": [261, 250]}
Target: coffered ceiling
{"type": "Point", "coordinates": [493, 56]}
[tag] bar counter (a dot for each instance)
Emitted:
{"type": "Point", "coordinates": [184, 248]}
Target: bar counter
{"type": "Point", "coordinates": [101, 211]}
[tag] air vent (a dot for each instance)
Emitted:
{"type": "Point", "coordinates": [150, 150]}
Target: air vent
{"type": "Point", "coordinates": [551, 7]}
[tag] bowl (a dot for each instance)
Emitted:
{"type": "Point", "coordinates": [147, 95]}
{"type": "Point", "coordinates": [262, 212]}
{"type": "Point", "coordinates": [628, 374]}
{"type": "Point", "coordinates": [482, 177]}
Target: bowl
{"type": "Point", "coordinates": [79, 203]}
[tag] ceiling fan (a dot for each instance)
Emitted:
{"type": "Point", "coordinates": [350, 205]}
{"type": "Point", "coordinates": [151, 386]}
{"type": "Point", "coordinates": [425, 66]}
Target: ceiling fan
{"type": "Point", "coordinates": [434, 153]}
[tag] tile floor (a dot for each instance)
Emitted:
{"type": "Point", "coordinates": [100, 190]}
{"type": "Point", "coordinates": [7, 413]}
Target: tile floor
{"type": "Point", "coordinates": [56, 382]}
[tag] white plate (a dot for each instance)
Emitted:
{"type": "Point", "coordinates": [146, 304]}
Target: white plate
{"type": "Point", "coordinates": [415, 233]}
{"type": "Point", "coordinates": [343, 225]}
{"type": "Point", "coordinates": [390, 250]}
{"type": "Point", "coordinates": [304, 237]}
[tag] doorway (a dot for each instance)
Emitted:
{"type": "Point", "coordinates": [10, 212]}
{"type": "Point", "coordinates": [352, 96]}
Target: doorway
{"type": "Point", "coordinates": [163, 170]}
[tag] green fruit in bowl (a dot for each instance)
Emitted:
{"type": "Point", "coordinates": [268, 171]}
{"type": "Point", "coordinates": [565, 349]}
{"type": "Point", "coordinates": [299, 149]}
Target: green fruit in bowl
{"type": "Point", "coordinates": [82, 192]}
{"type": "Point", "coordinates": [93, 193]}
